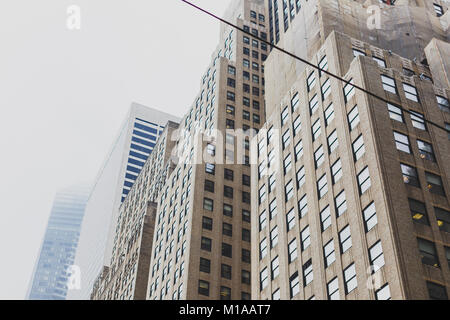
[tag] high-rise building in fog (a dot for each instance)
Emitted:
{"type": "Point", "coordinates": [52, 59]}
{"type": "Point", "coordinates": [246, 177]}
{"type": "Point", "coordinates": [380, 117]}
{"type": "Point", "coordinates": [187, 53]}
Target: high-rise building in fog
{"type": "Point", "coordinates": [351, 194]}
{"type": "Point", "coordinates": [57, 253]}
{"type": "Point", "coordinates": [132, 147]}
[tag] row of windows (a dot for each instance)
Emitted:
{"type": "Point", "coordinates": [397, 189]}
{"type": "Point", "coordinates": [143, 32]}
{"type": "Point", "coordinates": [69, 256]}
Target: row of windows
{"type": "Point", "coordinates": [225, 292]}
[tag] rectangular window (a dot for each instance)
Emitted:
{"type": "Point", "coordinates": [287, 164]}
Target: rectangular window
{"type": "Point", "coordinates": [203, 288]}
{"type": "Point", "coordinates": [341, 203]}
{"type": "Point", "coordinates": [311, 81]}
{"type": "Point", "coordinates": [227, 229]}
{"type": "Point", "coordinates": [298, 150]}
{"type": "Point", "coordinates": [273, 209]}
{"type": "Point", "coordinates": [210, 168]}
{"type": "Point", "coordinates": [333, 289]}
{"type": "Point", "coordinates": [275, 267]}
{"type": "Point", "coordinates": [294, 102]}
{"type": "Point", "coordinates": [434, 183]}
{"type": "Point", "coordinates": [227, 250]}
{"type": "Point", "coordinates": [292, 250]}
{"type": "Point", "coordinates": [349, 90]}
{"type": "Point", "coordinates": [418, 211]}
{"type": "Point", "coordinates": [209, 186]}
{"type": "Point", "coordinates": [329, 114]}
{"type": "Point", "coordinates": [345, 239]}
{"type": "Point", "coordinates": [208, 204]}
{"type": "Point", "coordinates": [205, 265]}
{"type": "Point", "coordinates": [316, 130]}
{"type": "Point", "coordinates": [308, 274]}
{"type": "Point", "coordinates": [364, 180]}
{"type": "Point", "coordinates": [274, 237]}
{"type": "Point", "coordinates": [287, 163]}
{"type": "Point", "coordinates": [428, 253]}
{"type": "Point", "coordinates": [207, 223]}
{"type": "Point", "coordinates": [272, 182]}
{"type": "Point", "coordinates": [395, 113]}
{"type": "Point", "coordinates": [294, 284]}
{"type": "Point", "coordinates": [290, 219]}
{"type": "Point", "coordinates": [325, 218]}
{"type": "Point", "coordinates": [410, 92]}
{"type": "Point", "coordinates": [206, 244]}
{"type": "Point", "coordinates": [389, 84]}
{"type": "Point", "coordinates": [328, 253]}
{"type": "Point", "coordinates": [313, 104]}
{"type": "Point", "coordinates": [350, 278]}
{"type": "Point", "coordinates": [300, 177]}
{"type": "Point", "coordinates": [333, 141]}
{"type": "Point", "coordinates": [326, 89]}
{"type": "Point", "coordinates": [227, 210]}
{"type": "Point", "coordinates": [246, 235]}
{"type": "Point", "coordinates": [353, 118]}
{"type": "Point", "coordinates": [418, 120]}
{"type": "Point", "coordinates": [284, 115]}
{"type": "Point", "coordinates": [319, 157]}
{"type": "Point", "coordinates": [336, 171]}
{"type": "Point", "coordinates": [262, 248]}
{"type": "Point", "coordinates": [443, 219]}
{"type": "Point", "coordinates": [262, 194]}
{"type": "Point", "coordinates": [383, 293]}
{"type": "Point", "coordinates": [376, 257]}
{"type": "Point", "coordinates": [426, 150]}
{"type": "Point", "coordinates": [286, 139]}
{"type": "Point", "coordinates": [297, 125]}
{"type": "Point", "coordinates": [357, 52]}
{"type": "Point", "coordinates": [410, 175]}
{"type": "Point", "coordinates": [443, 103]}
{"type": "Point", "coordinates": [380, 62]}
{"type": "Point", "coordinates": [436, 291]}
{"type": "Point", "coordinates": [370, 217]}
{"type": "Point", "coordinates": [323, 64]}
{"type": "Point", "coordinates": [263, 279]}
{"type": "Point", "coordinates": [402, 142]}
{"type": "Point", "coordinates": [322, 186]}
{"type": "Point", "coordinates": [289, 191]}
{"type": "Point", "coordinates": [305, 238]}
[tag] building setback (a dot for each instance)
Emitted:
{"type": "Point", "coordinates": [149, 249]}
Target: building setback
{"type": "Point", "coordinates": [351, 194]}
{"type": "Point", "coordinates": [129, 152]}
{"type": "Point", "coordinates": [54, 264]}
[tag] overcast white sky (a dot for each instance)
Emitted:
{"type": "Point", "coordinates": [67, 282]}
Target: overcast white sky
{"type": "Point", "coordinates": [64, 94]}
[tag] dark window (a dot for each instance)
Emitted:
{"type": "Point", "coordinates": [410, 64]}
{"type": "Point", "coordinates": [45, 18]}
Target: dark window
{"type": "Point", "coordinates": [207, 223]}
{"type": "Point", "coordinates": [225, 271]}
{"type": "Point", "coordinates": [245, 277]}
{"type": "Point", "coordinates": [246, 216]}
{"type": "Point", "coordinates": [245, 180]}
{"type": "Point", "coordinates": [206, 244]}
{"type": "Point", "coordinates": [418, 211]}
{"type": "Point", "coordinates": [436, 291]}
{"type": "Point", "coordinates": [231, 82]}
{"type": "Point", "coordinates": [246, 235]}
{"type": "Point", "coordinates": [227, 229]}
{"type": "Point", "coordinates": [230, 124]}
{"type": "Point", "coordinates": [205, 265]}
{"type": "Point", "coordinates": [229, 175]}
{"type": "Point", "coordinates": [410, 175]}
{"type": "Point", "coordinates": [434, 183]}
{"type": "Point", "coordinates": [226, 250]}
{"type": "Point", "coordinates": [428, 253]}
{"type": "Point", "coordinates": [203, 288]}
{"type": "Point", "coordinates": [246, 256]}
{"type": "Point", "coordinates": [443, 219]}
{"type": "Point", "coordinates": [228, 192]}
{"type": "Point", "coordinates": [227, 210]}
{"type": "Point", "coordinates": [209, 185]}
{"type": "Point", "coordinates": [245, 197]}
{"type": "Point", "coordinates": [225, 293]}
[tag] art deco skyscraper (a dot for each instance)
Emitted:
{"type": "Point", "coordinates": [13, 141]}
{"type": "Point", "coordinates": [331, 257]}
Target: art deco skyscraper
{"type": "Point", "coordinates": [351, 194]}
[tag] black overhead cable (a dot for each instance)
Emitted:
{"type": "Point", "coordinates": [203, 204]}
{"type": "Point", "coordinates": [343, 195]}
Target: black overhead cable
{"type": "Point", "coordinates": [314, 66]}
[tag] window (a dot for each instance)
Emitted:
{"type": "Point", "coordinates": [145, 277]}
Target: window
{"type": "Point", "coordinates": [357, 53]}
{"type": "Point", "coordinates": [345, 239]}
{"type": "Point", "coordinates": [262, 194]}
{"type": "Point", "coordinates": [402, 142]}
{"type": "Point", "coordinates": [328, 253]}
{"type": "Point", "coordinates": [322, 186]}
{"type": "Point", "coordinates": [227, 229]}
{"type": "Point", "coordinates": [380, 62]}
{"type": "Point", "coordinates": [303, 206]}
{"type": "Point", "coordinates": [443, 103]}
{"type": "Point", "coordinates": [210, 168]}
{"type": "Point", "coordinates": [230, 124]}
{"type": "Point", "coordinates": [418, 120]}
{"type": "Point", "coordinates": [292, 250]}
{"type": "Point", "coordinates": [255, 105]}
{"type": "Point", "coordinates": [323, 65]}
{"type": "Point", "coordinates": [376, 256]}
{"type": "Point", "coordinates": [294, 285]}
{"type": "Point", "coordinates": [370, 217]}
{"type": "Point", "coordinates": [326, 86]}
{"type": "Point", "coordinates": [290, 219]}
{"type": "Point", "coordinates": [246, 216]}
{"type": "Point", "coordinates": [426, 150]}
{"type": "Point", "coordinates": [333, 142]}
{"type": "Point", "coordinates": [211, 149]}
{"type": "Point", "coordinates": [410, 175]}
{"type": "Point", "coordinates": [287, 163]}
{"type": "Point", "coordinates": [410, 92]}
{"type": "Point", "coordinates": [428, 253]}
{"type": "Point", "coordinates": [245, 256]}
{"type": "Point", "coordinates": [443, 219]}
{"type": "Point", "coordinates": [205, 265]}
{"type": "Point", "coordinates": [274, 237]}
{"type": "Point", "coordinates": [295, 101]}
{"type": "Point", "coordinates": [300, 177]}
{"type": "Point", "coordinates": [316, 130]}
{"type": "Point", "coordinates": [318, 157]}
{"type": "Point", "coordinates": [350, 278]}
{"type": "Point", "coordinates": [230, 96]}
{"type": "Point", "coordinates": [436, 291]}
{"type": "Point", "coordinates": [245, 277]}
{"type": "Point", "coordinates": [313, 104]}
{"type": "Point", "coordinates": [246, 63]}
{"type": "Point", "coordinates": [263, 279]}
{"type": "Point", "coordinates": [447, 126]}
{"type": "Point", "coordinates": [228, 192]}
{"type": "Point", "coordinates": [262, 248]}
{"type": "Point", "coordinates": [353, 118]}
{"type": "Point", "coordinates": [418, 211]}
{"type": "Point", "coordinates": [341, 203]}
{"type": "Point", "coordinates": [434, 183]}
{"type": "Point", "coordinates": [308, 275]}
{"type": "Point", "coordinates": [246, 115]}
{"type": "Point", "coordinates": [289, 191]}
{"type": "Point", "coordinates": [226, 250]}
{"type": "Point", "coordinates": [336, 171]}
{"type": "Point", "coordinates": [208, 204]}
{"type": "Point", "coordinates": [207, 223]}
{"type": "Point", "coordinates": [206, 244]}
{"type": "Point", "coordinates": [297, 125]}
{"type": "Point", "coordinates": [272, 182]}
{"type": "Point", "coordinates": [395, 113]}
{"type": "Point", "coordinates": [232, 70]}
{"type": "Point", "coordinates": [246, 235]}
{"type": "Point", "coordinates": [284, 115]}
{"type": "Point", "coordinates": [276, 295]}
{"type": "Point", "coordinates": [298, 150]}
{"type": "Point", "coordinates": [358, 148]}
{"type": "Point", "coordinates": [389, 84]}
{"type": "Point", "coordinates": [349, 90]}
{"type": "Point", "coordinates": [245, 197]}
{"type": "Point", "coordinates": [225, 293]}
{"type": "Point", "coordinates": [447, 254]}
{"type": "Point", "coordinates": [227, 210]}
{"type": "Point", "coordinates": [329, 114]}
{"type": "Point", "coordinates": [203, 288]}
{"type": "Point", "coordinates": [286, 139]}
{"type": "Point", "coordinates": [246, 40]}
{"type": "Point", "coordinates": [383, 293]}
{"type": "Point", "coordinates": [209, 185]}
{"type": "Point", "coordinates": [438, 9]}
{"type": "Point", "coordinates": [364, 180]}
{"type": "Point", "coordinates": [256, 118]}
{"type": "Point", "coordinates": [231, 82]}
{"type": "Point", "coordinates": [273, 209]}
{"type": "Point", "coordinates": [325, 218]}
{"type": "Point", "coordinates": [228, 174]}
{"type": "Point", "coordinates": [275, 267]}
{"type": "Point", "coordinates": [311, 81]}
{"type": "Point", "coordinates": [333, 289]}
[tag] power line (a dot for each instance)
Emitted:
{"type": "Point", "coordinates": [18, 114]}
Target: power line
{"type": "Point", "coordinates": [313, 65]}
